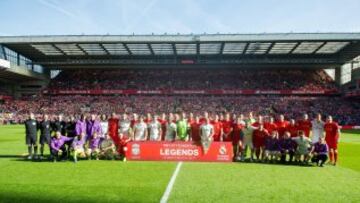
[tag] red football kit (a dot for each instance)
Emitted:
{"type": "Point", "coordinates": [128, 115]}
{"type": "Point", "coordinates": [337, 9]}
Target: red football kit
{"type": "Point", "coordinates": [217, 130]}
{"type": "Point", "coordinates": [304, 125]}
{"type": "Point", "coordinates": [236, 133]}
{"type": "Point", "coordinates": [281, 127]}
{"type": "Point", "coordinates": [227, 125]}
{"type": "Point", "coordinates": [195, 132]}
{"type": "Point", "coordinates": [331, 134]}
{"type": "Point", "coordinates": [259, 138]}
{"type": "Point", "coordinates": [270, 127]}
{"type": "Point", "coordinates": [293, 129]}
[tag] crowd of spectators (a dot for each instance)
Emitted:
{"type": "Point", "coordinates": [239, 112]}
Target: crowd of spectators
{"type": "Point", "coordinates": [193, 79]}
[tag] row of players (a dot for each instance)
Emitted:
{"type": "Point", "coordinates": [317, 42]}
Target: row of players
{"type": "Point", "coordinates": [242, 132]}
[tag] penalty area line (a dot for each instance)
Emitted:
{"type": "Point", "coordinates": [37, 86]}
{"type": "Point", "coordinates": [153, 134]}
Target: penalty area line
{"type": "Point", "coordinates": [170, 185]}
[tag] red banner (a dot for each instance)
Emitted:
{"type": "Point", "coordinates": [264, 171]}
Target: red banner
{"type": "Point", "coordinates": [192, 92]}
{"type": "Point", "coordinates": [178, 151]}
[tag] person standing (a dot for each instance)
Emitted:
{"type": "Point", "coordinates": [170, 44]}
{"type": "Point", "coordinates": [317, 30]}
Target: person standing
{"type": "Point", "coordinates": [31, 135]}
{"type": "Point", "coordinates": [45, 133]}
{"type": "Point", "coordinates": [332, 134]}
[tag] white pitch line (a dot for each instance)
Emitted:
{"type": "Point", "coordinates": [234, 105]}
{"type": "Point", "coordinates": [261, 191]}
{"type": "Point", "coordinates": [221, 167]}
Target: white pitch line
{"type": "Point", "coordinates": [169, 187]}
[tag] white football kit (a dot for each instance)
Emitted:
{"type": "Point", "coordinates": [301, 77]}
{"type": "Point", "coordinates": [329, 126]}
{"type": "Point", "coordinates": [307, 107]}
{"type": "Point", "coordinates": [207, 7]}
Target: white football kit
{"type": "Point", "coordinates": [170, 131]}
{"type": "Point", "coordinates": [140, 129]}
{"type": "Point", "coordinates": [317, 130]}
{"type": "Point", "coordinates": [154, 130]}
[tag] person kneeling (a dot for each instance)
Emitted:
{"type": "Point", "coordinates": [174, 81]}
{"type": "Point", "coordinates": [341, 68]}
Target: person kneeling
{"type": "Point", "coordinates": [78, 147]}
{"type": "Point", "coordinates": [107, 149]}
{"type": "Point", "coordinates": [320, 152]}
{"type": "Point", "coordinates": [93, 150]}
{"type": "Point", "coordinates": [287, 147]}
{"type": "Point", "coordinates": [303, 146]}
{"type": "Point", "coordinates": [58, 146]}
{"type": "Point", "coordinates": [272, 151]}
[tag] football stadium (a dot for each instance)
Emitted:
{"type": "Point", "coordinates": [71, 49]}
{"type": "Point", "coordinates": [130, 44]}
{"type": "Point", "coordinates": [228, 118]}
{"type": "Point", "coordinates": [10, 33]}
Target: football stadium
{"type": "Point", "coordinates": [237, 117]}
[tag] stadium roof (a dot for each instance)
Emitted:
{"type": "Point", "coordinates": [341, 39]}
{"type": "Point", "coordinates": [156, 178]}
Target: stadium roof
{"type": "Point", "coordinates": [287, 49]}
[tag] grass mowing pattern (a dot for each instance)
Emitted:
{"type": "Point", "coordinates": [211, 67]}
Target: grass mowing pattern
{"type": "Point", "coordinates": [114, 181]}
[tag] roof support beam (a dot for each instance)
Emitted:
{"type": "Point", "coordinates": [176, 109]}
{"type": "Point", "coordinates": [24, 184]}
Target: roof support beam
{"type": "Point", "coordinates": [57, 48]}
{"type": "Point", "coordinates": [102, 46]}
{"type": "Point", "coordinates": [317, 49]}
{"type": "Point", "coordinates": [198, 50]}
{"type": "Point", "coordinates": [269, 48]}
{"type": "Point", "coordinates": [151, 50]}
{"type": "Point", "coordinates": [127, 48]}
{"type": "Point", "coordinates": [222, 48]}
{"type": "Point", "coordinates": [246, 47]}
{"type": "Point", "coordinates": [79, 47]}
{"type": "Point", "coordinates": [296, 46]}
{"type": "Point", "coordinates": [174, 49]}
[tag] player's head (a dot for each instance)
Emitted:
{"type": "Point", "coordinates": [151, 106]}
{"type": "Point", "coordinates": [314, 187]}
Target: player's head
{"type": "Point", "coordinates": [141, 118]}
{"type": "Point", "coordinates": [197, 119]}
{"type": "Point", "coordinates": [156, 117]}
{"type": "Point", "coordinates": [301, 133]}
{"type": "Point", "coordinates": [113, 115]}
{"type": "Point", "coordinates": [163, 116]}
{"type": "Point", "coordinates": [191, 115]}
{"type": "Point", "coordinates": [206, 114]}
{"type": "Point", "coordinates": [83, 117]}
{"type": "Point", "coordinates": [239, 120]}
{"type": "Point", "coordinates": [227, 116]}
{"type": "Point", "coordinates": [103, 117]}
{"type": "Point", "coordinates": [216, 117]}
{"type": "Point", "coordinates": [57, 134]}
{"type": "Point", "coordinates": [292, 121]}
{"type": "Point", "coordinates": [170, 118]}
{"type": "Point", "coordinates": [45, 117]}
{"type": "Point", "coordinates": [272, 120]}
{"type": "Point", "coordinates": [287, 134]}
{"type": "Point", "coordinates": [93, 117]}
{"type": "Point", "coordinates": [72, 118]}
{"type": "Point", "coordinates": [329, 119]}
{"type": "Point", "coordinates": [31, 116]}
{"type": "Point", "coordinates": [124, 116]}
{"type": "Point", "coordinates": [183, 115]}
{"type": "Point", "coordinates": [260, 119]}
{"type": "Point", "coordinates": [318, 117]}
{"type": "Point", "coordinates": [221, 117]}
{"type": "Point", "coordinates": [148, 116]}
{"type": "Point", "coordinates": [60, 117]}
{"type": "Point", "coordinates": [305, 116]}
{"type": "Point", "coordinates": [251, 115]}
{"type": "Point", "coordinates": [281, 117]}
{"type": "Point", "coordinates": [274, 134]}
{"type": "Point", "coordinates": [241, 116]}
{"type": "Point", "coordinates": [135, 116]}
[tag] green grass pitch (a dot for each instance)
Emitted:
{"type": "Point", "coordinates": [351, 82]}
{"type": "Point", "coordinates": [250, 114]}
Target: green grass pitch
{"type": "Point", "coordinates": [115, 181]}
